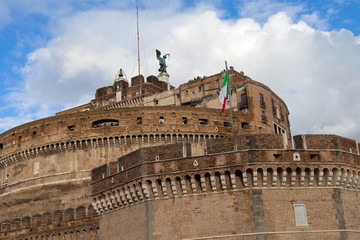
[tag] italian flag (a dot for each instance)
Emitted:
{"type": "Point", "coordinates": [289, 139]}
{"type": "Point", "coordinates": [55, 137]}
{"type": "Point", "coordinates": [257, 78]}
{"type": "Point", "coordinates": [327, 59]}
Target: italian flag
{"type": "Point", "coordinates": [224, 93]}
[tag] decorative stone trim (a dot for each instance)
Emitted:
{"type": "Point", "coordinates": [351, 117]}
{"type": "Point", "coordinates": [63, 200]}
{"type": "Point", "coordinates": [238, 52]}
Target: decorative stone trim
{"type": "Point", "coordinates": [111, 141]}
{"type": "Point", "coordinates": [222, 180]}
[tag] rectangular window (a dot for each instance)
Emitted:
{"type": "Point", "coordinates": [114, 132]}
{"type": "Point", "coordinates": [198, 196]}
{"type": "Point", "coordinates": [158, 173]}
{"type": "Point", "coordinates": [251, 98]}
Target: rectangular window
{"type": "Point", "coordinates": [161, 120]}
{"type": "Point", "coordinates": [262, 102]}
{"type": "Point", "coordinates": [244, 102]}
{"type": "Point", "coordinates": [275, 129]}
{"type": "Point", "coordinates": [244, 98]}
{"type": "Point", "coordinates": [199, 89]}
{"type": "Point", "coordinates": [139, 120]}
{"type": "Point", "coordinates": [273, 107]}
{"type": "Point", "coordinates": [300, 215]}
{"type": "Point", "coordinates": [203, 121]}
{"type": "Point", "coordinates": [184, 120]}
{"type": "Point", "coordinates": [278, 129]}
{"type": "Point", "coordinates": [263, 116]}
{"type": "Point", "coordinates": [71, 128]}
{"type": "Point", "coordinates": [226, 124]}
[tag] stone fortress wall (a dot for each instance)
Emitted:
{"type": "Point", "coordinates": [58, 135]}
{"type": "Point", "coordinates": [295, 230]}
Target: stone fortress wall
{"type": "Point", "coordinates": [60, 156]}
{"type": "Point", "coordinates": [240, 188]}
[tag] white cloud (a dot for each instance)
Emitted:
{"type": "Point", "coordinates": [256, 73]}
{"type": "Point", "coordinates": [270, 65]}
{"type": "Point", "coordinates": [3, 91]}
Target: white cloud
{"type": "Point", "coordinates": [315, 72]}
{"type": "Point", "coordinates": [4, 15]}
{"type": "Point", "coordinates": [263, 9]}
{"type": "Point", "coordinates": [314, 20]}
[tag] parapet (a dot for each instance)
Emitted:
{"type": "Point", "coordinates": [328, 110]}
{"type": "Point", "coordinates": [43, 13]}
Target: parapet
{"type": "Point", "coordinates": [232, 164]}
{"type": "Point", "coordinates": [328, 141]}
{"type": "Point", "coordinates": [84, 218]}
{"type": "Point", "coordinates": [187, 149]}
{"type": "Point", "coordinates": [137, 80]}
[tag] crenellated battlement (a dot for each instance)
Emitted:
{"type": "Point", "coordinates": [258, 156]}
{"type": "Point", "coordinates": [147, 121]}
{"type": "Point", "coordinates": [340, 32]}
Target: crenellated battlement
{"type": "Point", "coordinates": [224, 179]}
{"type": "Point", "coordinates": [173, 171]}
{"type": "Point", "coordinates": [81, 222]}
{"type": "Point", "coordinates": [180, 151]}
{"type": "Point", "coordinates": [326, 141]}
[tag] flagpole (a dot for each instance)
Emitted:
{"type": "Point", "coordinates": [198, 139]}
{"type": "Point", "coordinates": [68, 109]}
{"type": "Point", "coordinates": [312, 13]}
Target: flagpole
{"type": "Point", "coordinates": [229, 88]}
{"type": "Point", "coordinates": [137, 27]}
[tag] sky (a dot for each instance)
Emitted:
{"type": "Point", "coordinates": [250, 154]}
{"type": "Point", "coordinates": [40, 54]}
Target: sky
{"type": "Point", "coordinates": [55, 54]}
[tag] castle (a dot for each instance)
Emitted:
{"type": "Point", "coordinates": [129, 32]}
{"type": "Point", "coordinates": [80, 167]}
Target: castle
{"type": "Point", "coordinates": [150, 161]}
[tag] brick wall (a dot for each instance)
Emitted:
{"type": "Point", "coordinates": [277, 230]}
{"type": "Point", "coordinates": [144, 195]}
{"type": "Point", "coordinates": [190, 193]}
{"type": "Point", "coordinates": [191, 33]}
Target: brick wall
{"type": "Point", "coordinates": [174, 151]}
{"type": "Point", "coordinates": [188, 217]}
{"type": "Point", "coordinates": [325, 142]}
{"type": "Point", "coordinates": [131, 224]}
{"type": "Point", "coordinates": [48, 224]}
{"type": "Point", "coordinates": [137, 80]}
{"type": "Point", "coordinates": [247, 214]}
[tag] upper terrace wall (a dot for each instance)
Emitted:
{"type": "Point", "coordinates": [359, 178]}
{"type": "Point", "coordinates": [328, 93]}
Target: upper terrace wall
{"type": "Point", "coordinates": [265, 110]}
{"type": "Point", "coordinates": [326, 141]}
{"type": "Point", "coordinates": [127, 121]}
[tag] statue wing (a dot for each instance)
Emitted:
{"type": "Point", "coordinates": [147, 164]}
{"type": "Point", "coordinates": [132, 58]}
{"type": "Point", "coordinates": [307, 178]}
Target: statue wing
{"type": "Point", "coordinates": [158, 54]}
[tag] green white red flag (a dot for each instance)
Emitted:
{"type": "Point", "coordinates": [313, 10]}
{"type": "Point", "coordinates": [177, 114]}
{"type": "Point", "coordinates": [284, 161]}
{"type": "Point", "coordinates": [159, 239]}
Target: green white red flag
{"type": "Point", "coordinates": [225, 90]}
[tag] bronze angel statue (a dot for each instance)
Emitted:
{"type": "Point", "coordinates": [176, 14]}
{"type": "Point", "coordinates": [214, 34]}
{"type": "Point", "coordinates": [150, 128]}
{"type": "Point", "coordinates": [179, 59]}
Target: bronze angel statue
{"type": "Point", "coordinates": [162, 62]}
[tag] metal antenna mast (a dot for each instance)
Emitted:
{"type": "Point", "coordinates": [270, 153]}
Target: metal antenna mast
{"type": "Point", "coordinates": [137, 23]}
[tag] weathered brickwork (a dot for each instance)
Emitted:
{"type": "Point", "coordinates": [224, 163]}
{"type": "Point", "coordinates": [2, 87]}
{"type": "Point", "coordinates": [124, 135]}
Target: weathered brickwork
{"type": "Point", "coordinates": [81, 222]}
{"type": "Point", "coordinates": [134, 220]}
{"type": "Point", "coordinates": [269, 187]}
{"type": "Point", "coordinates": [309, 141]}
{"type": "Point", "coordinates": [351, 209]}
